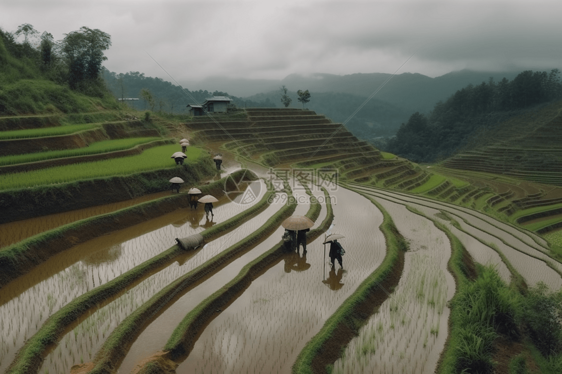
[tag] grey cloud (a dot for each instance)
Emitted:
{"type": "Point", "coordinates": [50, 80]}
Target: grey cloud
{"type": "Point", "coordinates": [251, 39]}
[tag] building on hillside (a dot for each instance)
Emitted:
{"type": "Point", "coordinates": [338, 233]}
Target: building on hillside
{"type": "Point", "coordinates": [195, 110]}
{"type": "Point", "coordinates": [216, 104]}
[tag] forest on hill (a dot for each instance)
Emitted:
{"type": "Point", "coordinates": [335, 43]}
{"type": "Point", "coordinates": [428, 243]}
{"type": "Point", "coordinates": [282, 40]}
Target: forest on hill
{"type": "Point", "coordinates": [166, 97]}
{"type": "Point", "coordinates": [41, 75]}
{"type": "Point", "coordinates": [450, 126]}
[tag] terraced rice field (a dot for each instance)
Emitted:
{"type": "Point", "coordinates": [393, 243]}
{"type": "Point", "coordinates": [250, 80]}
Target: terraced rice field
{"type": "Point", "coordinates": [100, 266]}
{"type": "Point", "coordinates": [131, 300]}
{"type": "Point", "coordinates": [266, 327]}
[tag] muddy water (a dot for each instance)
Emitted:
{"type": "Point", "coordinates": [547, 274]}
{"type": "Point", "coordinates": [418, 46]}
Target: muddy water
{"type": "Point", "coordinates": [482, 218]}
{"type": "Point", "coordinates": [14, 232]}
{"type": "Point", "coordinates": [157, 334]}
{"type": "Point", "coordinates": [530, 268]}
{"type": "Point", "coordinates": [480, 253]}
{"type": "Point", "coordinates": [90, 335]}
{"type": "Point", "coordinates": [533, 270]}
{"type": "Point", "coordinates": [89, 267]}
{"type": "Point", "coordinates": [268, 325]}
{"type": "Point", "coordinates": [408, 332]}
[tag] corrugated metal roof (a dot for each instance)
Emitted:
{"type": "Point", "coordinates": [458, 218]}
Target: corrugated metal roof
{"type": "Point", "coordinates": [218, 98]}
{"type": "Point", "coordinates": [195, 106]}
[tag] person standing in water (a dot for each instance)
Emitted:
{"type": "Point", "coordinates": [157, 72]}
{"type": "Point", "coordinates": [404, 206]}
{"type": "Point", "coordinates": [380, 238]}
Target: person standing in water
{"type": "Point", "coordinates": [209, 209]}
{"type": "Point", "coordinates": [336, 253]}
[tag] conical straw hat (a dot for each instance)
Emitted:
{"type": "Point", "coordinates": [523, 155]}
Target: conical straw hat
{"type": "Point", "coordinates": [297, 223]}
{"type": "Point", "coordinates": [208, 199]}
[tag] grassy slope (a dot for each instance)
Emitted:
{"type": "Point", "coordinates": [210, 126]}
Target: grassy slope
{"type": "Point", "coordinates": [156, 158]}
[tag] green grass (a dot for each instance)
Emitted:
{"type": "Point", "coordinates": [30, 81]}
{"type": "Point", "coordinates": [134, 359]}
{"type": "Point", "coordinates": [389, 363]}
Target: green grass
{"type": "Point", "coordinates": [554, 238]}
{"type": "Point", "coordinates": [151, 159]}
{"type": "Point", "coordinates": [35, 96]}
{"type": "Point", "coordinates": [94, 148]}
{"type": "Point", "coordinates": [541, 224]}
{"type": "Point", "coordinates": [434, 181]}
{"type": "Point", "coordinates": [537, 209]}
{"type": "Point", "coordinates": [387, 156]}
{"type": "Point", "coordinates": [47, 131]}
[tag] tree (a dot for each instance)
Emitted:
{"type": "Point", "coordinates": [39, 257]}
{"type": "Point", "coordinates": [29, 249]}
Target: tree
{"type": "Point", "coordinates": [304, 97]}
{"type": "Point", "coordinates": [285, 99]}
{"type": "Point", "coordinates": [27, 30]}
{"type": "Point", "coordinates": [84, 53]}
{"type": "Point", "coordinates": [148, 98]}
{"type": "Point", "coordinates": [47, 42]}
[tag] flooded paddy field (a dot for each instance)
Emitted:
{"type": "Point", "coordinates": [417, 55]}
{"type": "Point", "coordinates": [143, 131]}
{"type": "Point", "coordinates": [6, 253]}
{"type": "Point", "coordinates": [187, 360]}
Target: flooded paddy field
{"type": "Point", "coordinates": [480, 252]}
{"type": "Point", "coordinates": [14, 232]}
{"type": "Point", "coordinates": [408, 332]}
{"type": "Point", "coordinates": [91, 265]}
{"type": "Point", "coordinates": [91, 333]}
{"type": "Point", "coordinates": [267, 326]}
{"type": "Point", "coordinates": [156, 335]}
{"type": "Point", "coordinates": [530, 262]}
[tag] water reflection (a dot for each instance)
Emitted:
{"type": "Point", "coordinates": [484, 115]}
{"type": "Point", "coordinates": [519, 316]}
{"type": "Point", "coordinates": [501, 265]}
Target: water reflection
{"type": "Point", "coordinates": [106, 255]}
{"type": "Point", "coordinates": [208, 222]}
{"type": "Point", "coordinates": [334, 279]}
{"type": "Point", "coordinates": [294, 262]}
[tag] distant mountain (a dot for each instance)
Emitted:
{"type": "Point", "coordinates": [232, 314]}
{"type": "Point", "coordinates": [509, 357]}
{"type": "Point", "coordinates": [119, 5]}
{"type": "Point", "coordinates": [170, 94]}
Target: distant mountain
{"type": "Point", "coordinates": [413, 92]}
{"type": "Point", "coordinates": [239, 87]}
{"type": "Point", "coordinates": [410, 91]}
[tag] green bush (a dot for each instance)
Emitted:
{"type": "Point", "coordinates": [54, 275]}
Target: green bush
{"type": "Point", "coordinates": [518, 365]}
{"type": "Point", "coordinates": [541, 313]}
{"type": "Point", "coordinates": [481, 310]}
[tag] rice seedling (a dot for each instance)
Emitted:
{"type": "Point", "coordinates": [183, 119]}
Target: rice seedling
{"type": "Point", "coordinates": [152, 159]}
{"type": "Point", "coordinates": [46, 131]}
{"type": "Point", "coordinates": [298, 304]}
{"type": "Point", "coordinates": [94, 148]}
{"type": "Point", "coordinates": [412, 314]}
{"type": "Point", "coordinates": [78, 279]}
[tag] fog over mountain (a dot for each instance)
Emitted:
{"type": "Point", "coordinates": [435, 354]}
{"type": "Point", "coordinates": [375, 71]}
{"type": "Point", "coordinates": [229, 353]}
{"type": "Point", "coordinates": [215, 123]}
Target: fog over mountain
{"type": "Point", "coordinates": [193, 40]}
{"type": "Point", "coordinates": [411, 92]}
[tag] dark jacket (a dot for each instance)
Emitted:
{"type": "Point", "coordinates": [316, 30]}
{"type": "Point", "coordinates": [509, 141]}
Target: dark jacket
{"type": "Point", "coordinates": [335, 249]}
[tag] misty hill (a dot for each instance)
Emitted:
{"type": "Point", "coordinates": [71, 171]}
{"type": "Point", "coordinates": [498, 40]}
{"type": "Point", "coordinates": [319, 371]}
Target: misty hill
{"type": "Point", "coordinates": [168, 97]}
{"type": "Point", "coordinates": [377, 118]}
{"type": "Point", "coordinates": [469, 118]}
{"type": "Point", "coordinates": [527, 146]}
{"type": "Point", "coordinates": [412, 92]}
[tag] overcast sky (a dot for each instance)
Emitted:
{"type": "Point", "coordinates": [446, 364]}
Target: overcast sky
{"type": "Point", "coordinates": [192, 40]}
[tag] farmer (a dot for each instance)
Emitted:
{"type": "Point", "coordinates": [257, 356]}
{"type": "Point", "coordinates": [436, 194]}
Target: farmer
{"type": "Point", "coordinates": [209, 209]}
{"type": "Point", "coordinates": [336, 251]}
{"type": "Point", "coordinates": [176, 186]}
{"type": "Point", "coordinates": [218, 163]}
{"type": "Point", "coordinates": [183, 148]}
{"type": "Point", "coordinates": [289, 240]}
{"type": "Point", "coordinates": [193, 202]}
{"type": "Point", "coordinates": [301, 239]}
{"type": "Point", "coordinates": [179, 160]}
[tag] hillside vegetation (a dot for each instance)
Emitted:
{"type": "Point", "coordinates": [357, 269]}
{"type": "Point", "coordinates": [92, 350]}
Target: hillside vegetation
{"type": "Point", "coordinates": [63, 134]}
{"type": "Point", "coordinates": [460, 121]}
